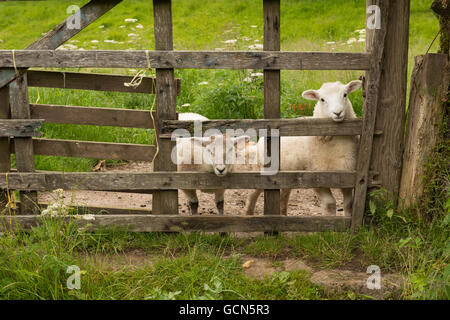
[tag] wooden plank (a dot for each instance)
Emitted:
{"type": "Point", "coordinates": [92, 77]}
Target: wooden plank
{"type": "Point", "coordinates": [91, 149]}
{"type": "Point", "coordinates": [90, 81]}
{"type": "Point", "coordinates": [20, 128]}
{"type": "Point", "coordinates": [164, 202]}
{"type": "Point", "coordinates": [430, 81]}
{"type": "Point", "coordinates": [93, 116]}
{"type": "Point", "coordinates": [388, 148]}
{"type": "Point", "coordinates": [271, 13]}
{"type": "Point", "coordinates": [93, 210]}
{"type": "Point", "coordinates": [269, 60]}
{"type": "Point", "coordinates": [369, 118]}
{"type": "Point", "coordinates": [306, 126]}
{"type": "Point", "coordinates": [61, 33]}
{"type": "Point", "coordinates": [5, 158]}
{"type": "Point", "coordinates": [20, 109]}
{"type": "Point", "coordinates": [163, 180]}
{"type": "Point", "coordinates": [177, 223]}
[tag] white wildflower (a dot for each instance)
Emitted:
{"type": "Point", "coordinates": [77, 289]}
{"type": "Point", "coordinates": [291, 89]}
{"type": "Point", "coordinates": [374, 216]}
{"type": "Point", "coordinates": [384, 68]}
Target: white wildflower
{"type": "Point", "coordinates": [203, 83]}
{"type": "Point", "coordinates": [231, 41]}
{"type": "Point", "coordinates": [246, 39]}
{"type": "Point", "coordinates": [94, 41]}
{"type": "Point", "coordinates": [351, 40]}
{"type": "Point", "coordinates": [131, 20]}
{"type": "Point", "coordinates": [248, 79]}
{"type": "Point", "coordinates": [256, 46]}
{"type": "Point", "coordinates": [121, 27]}
{"type": "Point", "coordinates": [101, 27]}
{"type": "Point", "coordinates": [133, 35]}
{"type": "Point", "coordinates": [257, 74]}
{"type": "Point", "coordinates": [139, 26]}
{"type": "Point", "coordinates": [186, 105]}
{"type": "Point", "coordinates": [361, 40]}
{"type": "Point", "coordinates": [331, 42]}
{"type": "Point", "coordinates": [253, 26]}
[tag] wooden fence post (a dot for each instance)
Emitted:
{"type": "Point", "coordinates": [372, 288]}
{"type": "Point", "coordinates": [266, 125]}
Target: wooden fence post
{"type": "Point", "coordinates": [430, 83]}
{"type": "Point", "coordinates": [370, 113]}
{"type": "Point", "coordinates": [390, 119]}
{"type": "Point", "coordinates": [20, 109]}
{"type": "Point", "coordinates": [164, 202]}
{"type": "Point", "coordinates": [271, 12]}
{"type": "Point", "coordinates": [5, 160]}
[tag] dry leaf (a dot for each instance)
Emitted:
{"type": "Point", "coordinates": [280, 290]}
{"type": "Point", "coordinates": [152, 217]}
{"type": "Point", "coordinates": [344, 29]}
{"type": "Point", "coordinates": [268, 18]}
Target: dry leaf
{"type": "Point", "coordinates": [100, 166]}
{"type": "Point", "coordinates": [248, 264]}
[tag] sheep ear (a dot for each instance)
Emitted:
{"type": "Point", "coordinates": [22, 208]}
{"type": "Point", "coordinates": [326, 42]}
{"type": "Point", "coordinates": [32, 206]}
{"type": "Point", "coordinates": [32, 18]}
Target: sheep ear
{"type": "Point", "coordinates": [311, 95]}
{"type": "Point", "coordinates": [240, 141]}
{"type": "Point", "coordinates": [353, 86]}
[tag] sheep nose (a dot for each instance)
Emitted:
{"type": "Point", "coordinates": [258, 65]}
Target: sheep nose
{"type": "Point", "coordinates": [337, 113]}
{"type": "Point", "coordinates": [221, 170]}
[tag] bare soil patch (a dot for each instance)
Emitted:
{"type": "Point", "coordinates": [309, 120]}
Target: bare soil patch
{"type": "Point", "coordinates": [302, 201]}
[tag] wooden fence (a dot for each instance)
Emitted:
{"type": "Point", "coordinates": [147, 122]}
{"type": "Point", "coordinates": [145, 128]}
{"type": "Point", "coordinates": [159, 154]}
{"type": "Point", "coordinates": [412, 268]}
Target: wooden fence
{"type": "Point", "coordinates": [24, 118]}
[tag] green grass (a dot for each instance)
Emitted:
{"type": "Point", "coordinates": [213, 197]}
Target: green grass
{"type": "Point", "coordinates": [305, 25]}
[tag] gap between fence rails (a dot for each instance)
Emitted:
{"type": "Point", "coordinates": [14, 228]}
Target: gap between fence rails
{"type": "Point", "coordinates": [136, 83]}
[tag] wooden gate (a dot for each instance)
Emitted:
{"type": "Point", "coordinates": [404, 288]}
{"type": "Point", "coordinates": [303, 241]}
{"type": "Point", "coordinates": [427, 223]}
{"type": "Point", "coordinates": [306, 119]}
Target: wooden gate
{"type": "Point", "coordinates": [165, 181]}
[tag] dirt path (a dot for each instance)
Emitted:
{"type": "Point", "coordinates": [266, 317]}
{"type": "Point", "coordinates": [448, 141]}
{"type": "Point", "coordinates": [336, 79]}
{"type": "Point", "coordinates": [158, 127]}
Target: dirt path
{"type": "Point", "coordinates": [302, 201]}
{"type": "Point", "coordinates": [333, 281]}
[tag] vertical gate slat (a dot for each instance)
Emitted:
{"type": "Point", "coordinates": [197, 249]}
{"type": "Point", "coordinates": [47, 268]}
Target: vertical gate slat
{"type": "Point", "coordinates": [271, 13]}
{"type": "Point", "coordinates": [164, 202]}
{"type": "Point", "coordinates": [369, 117]}
{"type": "Point", "coordinates": [5, 160]}
{"type": "Point", "coordinates": [20, 109]}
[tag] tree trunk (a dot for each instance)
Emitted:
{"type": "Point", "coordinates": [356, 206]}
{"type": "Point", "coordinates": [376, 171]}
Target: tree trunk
{"type": "Point", "coordinates": [427, 105]}
{"type": "Point", "coordinates": [442, 9]}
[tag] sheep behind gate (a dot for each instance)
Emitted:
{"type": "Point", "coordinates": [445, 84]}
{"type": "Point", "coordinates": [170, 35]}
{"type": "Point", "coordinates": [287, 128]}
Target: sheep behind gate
{"type": "Point", "coordinates": [319, 153]}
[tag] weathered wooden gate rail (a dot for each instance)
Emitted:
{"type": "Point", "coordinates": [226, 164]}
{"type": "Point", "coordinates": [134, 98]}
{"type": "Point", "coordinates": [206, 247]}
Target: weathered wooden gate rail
{"type": "Point", "coordinates": [20, 128]}
{"type": "Point", "coordinates": [286, 127]}
{"type": "Point", "coordinates": [382, 47]}
{"type": "Point", "coordinates": [177, 223]}
{"type": "Point", "coordinates": [91, 81]}
{"type": "Point", "coordinates": [269, 60]}
{"type": "Point", "coordinates": [90, 149]}
{"type": "Point", "coordinates": [113, 181]}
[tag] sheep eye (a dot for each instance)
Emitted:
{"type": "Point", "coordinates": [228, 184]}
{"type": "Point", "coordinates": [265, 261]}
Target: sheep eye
{"type": "Point", "coordinates": [345, 95]}
{"type": "Point", "coordinates": [322, 99]}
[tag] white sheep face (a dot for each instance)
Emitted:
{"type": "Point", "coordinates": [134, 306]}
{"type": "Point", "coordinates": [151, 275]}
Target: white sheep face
{"type": "Point", "coordinates": [333, 100]}
{"type": "Point", "coordinates": [219, 152]}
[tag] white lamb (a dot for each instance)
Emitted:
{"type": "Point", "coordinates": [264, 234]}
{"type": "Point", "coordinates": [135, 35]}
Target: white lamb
{"type": "Point", "coordinates": [207, 154]}
{"type": "Point", "coordinates": [319, 153]}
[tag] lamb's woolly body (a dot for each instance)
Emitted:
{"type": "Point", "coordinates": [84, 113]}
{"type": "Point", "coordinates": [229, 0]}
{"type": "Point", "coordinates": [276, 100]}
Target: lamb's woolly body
{"type": "Point", "coordinates": [188, 151]}
{"type": "Point", "coordinates": [317, 153]}
{"type": "Point", "coordinates": [191, 116]}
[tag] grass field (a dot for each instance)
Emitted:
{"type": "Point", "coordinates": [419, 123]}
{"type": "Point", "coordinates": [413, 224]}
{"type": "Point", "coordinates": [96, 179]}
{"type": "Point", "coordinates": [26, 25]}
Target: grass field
{"type": "Point", "coordinates": [33, 265]}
